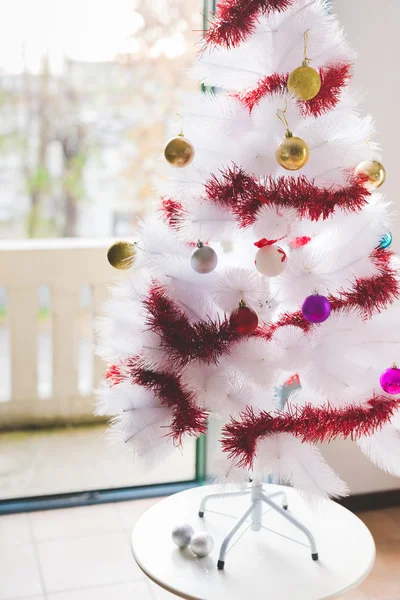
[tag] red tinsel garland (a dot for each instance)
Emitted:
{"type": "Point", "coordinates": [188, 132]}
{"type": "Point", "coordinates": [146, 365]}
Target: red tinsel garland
{"type": "Point", "coordinates": [187, 417]}
{"type": "Point", "coordinates": [369, 295]}
{"type": "Point", "coordinates": [115, 375]}
{"type": "Point", "coordinates": [172, 211]}
{"type": "Point", "coordinates": [309, 423]}
{"type": "Point", "coordinates": [275, 83]}
{"type": "Point", "coordinates": [183, 341]}
{"type": "Point", "coordinates": [372, 294]}
{"type": "Point", "coordinates": [294, 319]}
{"type": "Point", "coordinates": [236, 19]}
{"type": "Point", "coordinates": [333, 78]}
{"type": "Point", "coordinates": [208, 341]}
{"type": "Point", "coordinates": [244, 195]}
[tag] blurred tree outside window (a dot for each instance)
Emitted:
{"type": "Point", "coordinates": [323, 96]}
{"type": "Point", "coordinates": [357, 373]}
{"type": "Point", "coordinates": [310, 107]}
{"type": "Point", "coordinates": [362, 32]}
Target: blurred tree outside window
{"type": "Point", "coordinates": [86, 88]}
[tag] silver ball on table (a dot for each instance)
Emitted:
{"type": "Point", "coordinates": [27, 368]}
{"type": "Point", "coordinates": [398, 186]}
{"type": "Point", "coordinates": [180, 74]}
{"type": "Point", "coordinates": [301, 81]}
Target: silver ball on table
{"type": "Point", "coordinates": [202, 544]}
{"type": "Point", "coordinates": [182, 534]}
{"type": "Point", "coordinates": [204, 259]}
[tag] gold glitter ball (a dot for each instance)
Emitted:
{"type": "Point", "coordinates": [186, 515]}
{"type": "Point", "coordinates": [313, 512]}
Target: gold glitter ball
{"type": "Point", "coordinates": [121, 255]}
{"type": "Point", "coordinates": [374, 171]}
{"type": "Point", "coordinates": [179, 152]}
{"type": "Point", "coordinates": [304, 83]}
{"type": "Point", "coordinates": [292, 153]}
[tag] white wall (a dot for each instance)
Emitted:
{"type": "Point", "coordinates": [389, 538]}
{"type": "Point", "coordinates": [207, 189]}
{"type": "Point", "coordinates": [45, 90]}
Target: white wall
{"type": "Point", "coordinates": [373, 30]}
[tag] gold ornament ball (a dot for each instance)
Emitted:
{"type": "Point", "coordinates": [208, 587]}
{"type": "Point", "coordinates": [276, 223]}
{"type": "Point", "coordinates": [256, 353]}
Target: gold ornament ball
{"type": "Point", "coordinates": [304, 83]}
{"type": "Point", "coordinates": [292, 153]}
{"type": "Point", "coordinates": [121, 255]}
{"type": "Point", "coordinates": [374, 171]}
{"type": "Point", "coordinates": [179, 152]}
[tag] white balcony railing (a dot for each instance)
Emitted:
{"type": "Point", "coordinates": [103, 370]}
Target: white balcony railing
{"type": "Point", "coordinates": [65, 267]}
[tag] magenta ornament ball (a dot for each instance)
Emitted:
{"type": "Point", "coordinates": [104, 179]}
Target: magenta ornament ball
{"type": "Point", "coordinates": [390, 381]}
{"type": "Point", "coordinates": [316, 309]}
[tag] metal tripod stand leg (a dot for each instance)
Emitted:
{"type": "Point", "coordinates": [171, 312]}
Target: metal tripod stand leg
{"type": "Point", "coordinates": [220, 495]}
{"type": "Point", "coordinates": [283, 496]}
{"type": "Point", "coordinates": [225, 543]}
{"type": "Point", "coordinates": [255, 511]}
{"type": "Point", "coordinates": [258, 496]}
{"type": "Point", "coordinates": [295, 522]}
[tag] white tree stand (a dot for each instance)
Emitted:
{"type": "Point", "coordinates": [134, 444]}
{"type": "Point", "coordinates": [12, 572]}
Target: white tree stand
{"type": "Point", "coordinates": [254, 512]}
{"type": "Point", "coordinates": [267, 554]}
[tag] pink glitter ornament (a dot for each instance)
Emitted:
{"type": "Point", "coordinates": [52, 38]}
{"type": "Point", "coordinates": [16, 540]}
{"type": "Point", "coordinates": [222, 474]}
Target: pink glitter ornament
{"type": "Point", "coordinates": [390, 381]}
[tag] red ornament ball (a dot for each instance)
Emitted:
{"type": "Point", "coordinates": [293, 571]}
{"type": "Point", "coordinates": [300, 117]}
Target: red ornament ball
{"type": "Point", "coordinates": [390, 381]}
{"type": "Point", "coordinates": [244, 320]}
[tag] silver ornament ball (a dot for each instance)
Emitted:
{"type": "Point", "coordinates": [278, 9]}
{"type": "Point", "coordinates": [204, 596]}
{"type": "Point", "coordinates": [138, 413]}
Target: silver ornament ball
{"type": "Point", "coordinates": [182, 534]}
{"type": "Point", "coordinates": [202, 544]}
{"type": "Point", "coordinates": [204, 259]}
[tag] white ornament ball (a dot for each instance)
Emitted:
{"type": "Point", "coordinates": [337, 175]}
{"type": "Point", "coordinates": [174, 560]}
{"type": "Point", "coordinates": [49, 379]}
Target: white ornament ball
{"type": "Point", "coordinates": [270, 261]}
{"type": "Point", "coordinates": [202, 544]}
{"type": "Point", "coordinates": [204, 259]}
{"type": "Point", "coordinates": [182, 535]}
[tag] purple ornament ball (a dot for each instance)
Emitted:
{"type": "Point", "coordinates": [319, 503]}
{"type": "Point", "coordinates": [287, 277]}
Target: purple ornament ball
{"type": "Point", "coordinates": [390, 381]}
{"type": "Point", "coordinates": [316, 309]}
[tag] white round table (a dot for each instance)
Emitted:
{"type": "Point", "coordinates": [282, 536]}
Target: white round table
{"type": "Point", "coordinates": [272, 563]}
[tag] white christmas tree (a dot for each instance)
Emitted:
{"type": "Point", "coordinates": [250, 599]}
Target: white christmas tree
{"type": "Point", "coordinates": [266, 262]}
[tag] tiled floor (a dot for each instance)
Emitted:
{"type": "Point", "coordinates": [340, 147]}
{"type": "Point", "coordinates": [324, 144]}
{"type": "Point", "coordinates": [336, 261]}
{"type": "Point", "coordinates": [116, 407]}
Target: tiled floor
{"type": "Point", "coordinates": [84, 554]}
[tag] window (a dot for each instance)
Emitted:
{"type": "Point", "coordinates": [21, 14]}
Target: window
{"type": "Point", "coordinates": [85, 91]}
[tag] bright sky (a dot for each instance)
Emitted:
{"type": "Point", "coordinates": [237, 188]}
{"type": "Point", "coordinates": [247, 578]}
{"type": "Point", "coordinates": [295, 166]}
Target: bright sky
{"type": "Point", "coordinates": [90, 30]}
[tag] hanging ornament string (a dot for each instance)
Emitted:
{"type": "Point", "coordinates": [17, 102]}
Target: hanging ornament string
{"type": "Point", "coordinates": [293, 152]}
{"type": "Point", "coordinates": [304, 83]}
{"type": "Point", "coordinates": [306, 59]}
{"type": "Point", "coordinates": [281, 114]}
{"type": "Point", "coordinates": [181, 127]}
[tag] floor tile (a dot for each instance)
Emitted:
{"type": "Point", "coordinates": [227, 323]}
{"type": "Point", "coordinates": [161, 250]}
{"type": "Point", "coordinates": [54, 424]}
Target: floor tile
{"type": "Point", "coordinates": [75, 522]}
{"type": "Point", "coordinates": [353, 595]}
{"type": "Point", "coordinates": [100, 559]}
{"type": "Point", "coordinates": [19, 572]}
{"type": "Point", "coordinates": [131, 511]}
{"type": "Point", "coordinates": [384, 581]}
{"type": "Point", "coordinates": [158, 593]}
{"type": "Point", "coordinates": [137, 590]}
{"type": "Point", "coordinates": [14, 529]}
{"type": "Point", "coordinates": [393, 512]}
{"type": "Point", "coordinates": [382, 524]}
